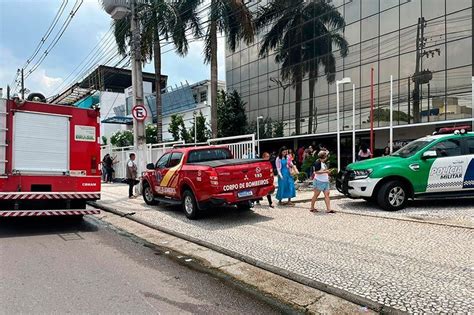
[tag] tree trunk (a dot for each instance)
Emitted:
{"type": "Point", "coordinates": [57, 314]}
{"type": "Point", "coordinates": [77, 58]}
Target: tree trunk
{"type": "Point", "coordinates": [159, 116]}
{"type": "Point", "coordinates": [213, 34]}
{"type": "Point", "coordinates": [312, 82]}
{"type": "Point", "coordinates": [298, 95]}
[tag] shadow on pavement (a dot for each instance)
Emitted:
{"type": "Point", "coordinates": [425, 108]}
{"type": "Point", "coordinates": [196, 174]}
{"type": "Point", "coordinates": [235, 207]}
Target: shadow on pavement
{"type": "Point", "coordinates": [413, 205]}
{"type": "Point", "coordinates": [29, 226]}
{"type": "Point", "coordinates": [217, 218]}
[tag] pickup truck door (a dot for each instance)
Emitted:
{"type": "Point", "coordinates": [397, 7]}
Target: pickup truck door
{"type": "Point", "coordinates": [169, 175]}
{"type": "Point", "coordinates": [159, 172]}
{"type": "Point", "coordinates": [447, 171]}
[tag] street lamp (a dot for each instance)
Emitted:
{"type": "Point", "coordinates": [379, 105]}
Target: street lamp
{"type": "Point", "coordinates": [195, 127]}
{"type": "Point", "coordinates": [258, 134]}
{"type": "Point", "coordinates": [342, 81]}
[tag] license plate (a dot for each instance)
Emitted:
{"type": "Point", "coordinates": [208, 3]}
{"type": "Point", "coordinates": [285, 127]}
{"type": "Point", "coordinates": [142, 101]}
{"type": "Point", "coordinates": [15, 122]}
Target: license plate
{"type": "Point", "coordinates": [245, 193]}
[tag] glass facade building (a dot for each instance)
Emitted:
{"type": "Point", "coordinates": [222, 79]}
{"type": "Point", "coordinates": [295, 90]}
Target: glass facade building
{"type": "Point", "coordinates": [382, 35]}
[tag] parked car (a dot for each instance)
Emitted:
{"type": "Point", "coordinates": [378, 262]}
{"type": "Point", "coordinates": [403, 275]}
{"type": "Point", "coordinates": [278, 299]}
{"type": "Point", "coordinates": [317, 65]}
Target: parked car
{"type": "Point", "coordinates": [202, 177]}
{"type": "Point", "coordinates": [438, 166]}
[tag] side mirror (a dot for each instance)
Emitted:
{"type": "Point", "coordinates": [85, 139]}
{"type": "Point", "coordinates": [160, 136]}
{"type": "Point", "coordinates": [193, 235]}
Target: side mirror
{"type": "Point", "coordinates": [150, 166]}
{"type": "Point", "coordinates": [429, 155]}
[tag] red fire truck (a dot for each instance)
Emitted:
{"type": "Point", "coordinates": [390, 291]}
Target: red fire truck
{"type": "Point", "coordinates": [49, 159]}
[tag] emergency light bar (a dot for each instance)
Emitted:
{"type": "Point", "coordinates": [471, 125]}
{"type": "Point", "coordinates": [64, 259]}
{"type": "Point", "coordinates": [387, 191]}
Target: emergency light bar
{"type": "Point", "coordinates": [456, 130]}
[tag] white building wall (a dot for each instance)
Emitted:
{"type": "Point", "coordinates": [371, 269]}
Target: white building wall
{"type": "Point", "coordinates": [108, 100]}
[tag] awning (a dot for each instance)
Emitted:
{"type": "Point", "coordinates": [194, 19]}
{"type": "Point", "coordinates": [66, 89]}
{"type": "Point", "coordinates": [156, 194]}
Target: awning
{"type": "Point", "coordinates": [118, 120]}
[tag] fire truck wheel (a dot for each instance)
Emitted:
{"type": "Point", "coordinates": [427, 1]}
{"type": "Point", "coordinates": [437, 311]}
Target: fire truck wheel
{"type": "Point", "coordinates": [189, 205]}
{"type": "Point", "coordinates": [148, 195]}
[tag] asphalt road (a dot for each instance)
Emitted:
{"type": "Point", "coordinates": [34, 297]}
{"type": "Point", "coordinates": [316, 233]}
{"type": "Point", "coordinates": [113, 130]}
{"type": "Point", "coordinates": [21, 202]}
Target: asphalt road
{"type": "Point", "coordinates": [49, 265]}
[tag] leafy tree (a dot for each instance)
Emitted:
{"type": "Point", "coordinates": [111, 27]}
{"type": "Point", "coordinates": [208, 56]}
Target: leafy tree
{"type": "Point", "coordinates": [175, 126]}
{"type": "Point", "coordinates": [234, 19]}
{"type": "Point", "coordinates": [231, 117]}
{"type": "Point", "coordinates": [265, 126]}
{"type": "Point", "coordinates": [178, 129]}
{"type": "Point", "coordinates": [301, 32]}
{"type": "Point", "coordinates": [382, 114]}
{"type": "Point", "coordinates": [203, 132]}
{"type": "Point", "coordinates": [150, 133]}
{"type": "Point", "coordinates": [160, 20]}
{"type": "Point", "coordinates": [122, 138]}
{"type": "Point", "coordinates": [104, 140]}
{"type": "Point", "coordinates": [278, 128]}
{"type": "Point", "coordinates": [184, 133]}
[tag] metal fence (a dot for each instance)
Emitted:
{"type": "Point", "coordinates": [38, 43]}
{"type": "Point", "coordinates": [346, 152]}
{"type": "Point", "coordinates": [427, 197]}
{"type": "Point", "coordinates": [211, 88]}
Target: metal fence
{"type": "Point", "coordinates": [241, 147]}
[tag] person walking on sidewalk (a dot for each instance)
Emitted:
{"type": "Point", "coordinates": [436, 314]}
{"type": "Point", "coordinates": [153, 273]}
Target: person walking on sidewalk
{"type": "Point", "coordinates": [286, 183]}
{"type": "Point", "coordinates": [266, 156]}
{"type": "Point", "coordinates": [131, 175]}
{"type": "Point", "coordinates": [321, 181]}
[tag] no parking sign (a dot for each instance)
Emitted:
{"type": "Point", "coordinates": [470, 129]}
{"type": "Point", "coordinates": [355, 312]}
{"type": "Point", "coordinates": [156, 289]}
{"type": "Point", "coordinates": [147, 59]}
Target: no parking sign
{"type": "Point", "coordinates": [139, 112]}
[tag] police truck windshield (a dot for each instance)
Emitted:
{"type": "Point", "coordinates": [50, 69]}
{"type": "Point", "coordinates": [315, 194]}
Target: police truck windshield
{"type": "Point", "coordinates": [411, 148]}
{"type": "Point", "coordinates": [209, 155]}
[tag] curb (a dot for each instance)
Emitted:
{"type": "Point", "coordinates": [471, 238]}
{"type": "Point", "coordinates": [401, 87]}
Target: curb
{"type": "Point", "coordinates": [376, 306]}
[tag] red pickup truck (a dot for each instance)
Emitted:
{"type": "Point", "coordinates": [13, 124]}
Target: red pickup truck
{"type": "Point", "coordinates": [202, 177]}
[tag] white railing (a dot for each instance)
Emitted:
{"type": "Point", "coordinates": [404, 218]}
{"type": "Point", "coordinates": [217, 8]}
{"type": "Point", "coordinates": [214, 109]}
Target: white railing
{"type": "Point", "coordinates": [3, 135]}
{"type": "Point", "coordinates": [155, 151]}
{"type": "Point", "coordinates": [120, 155]}
{"type": "Point", "coordinates": [240, 146]}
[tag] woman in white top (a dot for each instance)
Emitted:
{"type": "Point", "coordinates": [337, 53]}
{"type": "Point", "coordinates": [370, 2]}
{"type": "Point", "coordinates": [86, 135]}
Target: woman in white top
{"type": "Point", "coordinates": [321, 181]}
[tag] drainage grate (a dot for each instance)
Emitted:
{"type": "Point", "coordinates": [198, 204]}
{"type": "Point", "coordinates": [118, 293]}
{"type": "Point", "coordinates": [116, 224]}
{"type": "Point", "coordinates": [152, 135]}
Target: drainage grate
{"type": "Point", "coordinates": [70, 237]}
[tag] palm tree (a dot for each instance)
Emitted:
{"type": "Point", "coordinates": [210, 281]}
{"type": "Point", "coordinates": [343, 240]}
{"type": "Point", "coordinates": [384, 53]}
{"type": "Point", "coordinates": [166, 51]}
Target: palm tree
{"type": "Point", "coordinates": [234, 19]}
{"type": "Point", "coordinates": [303, 34]}
{"type": "Point", "coordinates": [160, 20]}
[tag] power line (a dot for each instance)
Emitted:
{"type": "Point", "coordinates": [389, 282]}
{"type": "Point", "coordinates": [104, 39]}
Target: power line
{"type": "Point", "coordinates": [48, 32]}
{"type": "Point", "coordinates": [58, 36]}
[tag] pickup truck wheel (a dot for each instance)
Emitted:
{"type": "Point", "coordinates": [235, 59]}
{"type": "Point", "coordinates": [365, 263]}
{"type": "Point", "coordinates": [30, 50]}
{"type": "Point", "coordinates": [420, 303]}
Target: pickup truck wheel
{"type": "Point", "coordinates": [244, 206]}
{"type": "Point", "coordinates": [148, 195]}
{"type": "Point", "coordinates": [392, 196]}
{"type": "Point", "coordinates": [189, 205]}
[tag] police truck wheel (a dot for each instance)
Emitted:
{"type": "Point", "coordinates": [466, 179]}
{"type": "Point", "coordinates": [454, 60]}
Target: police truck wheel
{"type": "Point", "coordinates": [148, 195]}
{"type": "Point", "coordinates": [190, 206]}
{"type": "Point", "coordinates": [392, 196]}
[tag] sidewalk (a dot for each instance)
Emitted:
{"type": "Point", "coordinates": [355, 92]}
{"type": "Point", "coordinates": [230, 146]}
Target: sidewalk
{"type": "Point", "coordinates": [409, 266]}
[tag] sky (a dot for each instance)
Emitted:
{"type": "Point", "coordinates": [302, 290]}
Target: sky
{"type": "Point", "coordinates": [24, 22]}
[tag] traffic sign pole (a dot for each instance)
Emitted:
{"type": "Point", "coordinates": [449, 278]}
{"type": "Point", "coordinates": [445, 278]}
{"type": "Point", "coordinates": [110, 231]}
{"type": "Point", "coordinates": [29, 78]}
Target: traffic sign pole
{"type": "Point", "coordinates": [137, 88]}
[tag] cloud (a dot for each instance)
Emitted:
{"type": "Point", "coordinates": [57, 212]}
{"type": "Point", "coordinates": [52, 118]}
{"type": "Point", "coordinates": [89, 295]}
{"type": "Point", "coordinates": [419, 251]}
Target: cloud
{"type": "Point", "coordinates": [38, 81]}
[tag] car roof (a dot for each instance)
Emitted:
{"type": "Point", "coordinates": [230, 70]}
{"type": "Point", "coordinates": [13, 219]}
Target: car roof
{"type": "Point", "coordinates": [195, 148]}
{"type": "Point", "coordinates": [450, 135]}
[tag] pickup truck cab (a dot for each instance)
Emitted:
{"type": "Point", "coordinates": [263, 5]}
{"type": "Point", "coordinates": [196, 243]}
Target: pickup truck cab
{"type": "Point", "coordinates": [438, 166]}
{"type": "Point", "coordinates": [202, 177]}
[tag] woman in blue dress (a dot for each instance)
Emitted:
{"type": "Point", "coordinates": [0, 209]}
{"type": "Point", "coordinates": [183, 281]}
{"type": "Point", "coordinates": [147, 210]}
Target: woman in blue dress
{"type": "Point", "coordinates": [286, 183]}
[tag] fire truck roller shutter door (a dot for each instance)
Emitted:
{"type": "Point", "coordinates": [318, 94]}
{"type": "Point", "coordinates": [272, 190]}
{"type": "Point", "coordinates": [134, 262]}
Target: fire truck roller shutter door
{"type": "Point", "coordinates": [40, 143]}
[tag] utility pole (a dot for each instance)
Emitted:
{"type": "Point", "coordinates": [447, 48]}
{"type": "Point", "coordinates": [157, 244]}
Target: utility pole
{"type": "Point", "coordinates": [421, 76]}
{"type": "Point", "coordinates": [419, 46]}
{"type": "Point", "coordinates": [139, 138]}
{"type": "Point", "coordinates": [22, 85]}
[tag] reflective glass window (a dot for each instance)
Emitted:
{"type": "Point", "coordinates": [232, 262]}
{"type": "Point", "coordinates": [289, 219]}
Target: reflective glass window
{"type": "Point", "coordinates": [369, 7]}
{"type": "Point", "coordinates": [459, 53]}
{"type": "Point", "coordinates": [432, 8]}
{"type": "Point", "coordinates": [452, 6]}
{"type": "Point", "coordinates": [369, 51]}
{"type": "Point", "coordinates": [351, 11]}
{"type": "Point", "coordinates": [387, 4]}
{"type": "Point", "coordinates": [410, 11]}
{"type": "Point", "coordinates": [370, 27]}
{"type": "Point", "coordinates": [352, 33]}
{"type": "Point", "coordinates": [389, 21]}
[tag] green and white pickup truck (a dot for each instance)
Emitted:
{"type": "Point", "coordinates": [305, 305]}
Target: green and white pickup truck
{"type": "Point", "coordinates": [438, 166]}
